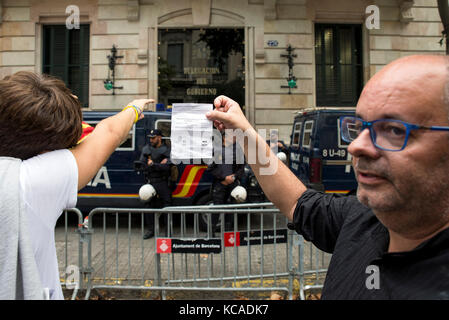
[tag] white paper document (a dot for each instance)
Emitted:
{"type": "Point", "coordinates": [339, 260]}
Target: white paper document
{"type": "Point", "coordinates": [191, 132]}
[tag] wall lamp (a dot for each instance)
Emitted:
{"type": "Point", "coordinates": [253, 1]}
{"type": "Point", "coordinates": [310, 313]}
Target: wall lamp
{"type": "Point", "coordinates": [112, 58]}
{"type": "Point", "coordinates": [291, 79]}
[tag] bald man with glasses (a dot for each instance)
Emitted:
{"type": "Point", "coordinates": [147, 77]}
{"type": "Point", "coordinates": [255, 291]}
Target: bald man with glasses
{"type": "Point", "coordinates": [391, 241]}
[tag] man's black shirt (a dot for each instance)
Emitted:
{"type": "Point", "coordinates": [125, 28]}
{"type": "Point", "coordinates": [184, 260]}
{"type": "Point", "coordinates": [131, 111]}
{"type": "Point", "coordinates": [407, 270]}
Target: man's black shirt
{"type": "Point", "coordinates": [341, 225]}
{"type": "Point", "coordinates": [157, 170]}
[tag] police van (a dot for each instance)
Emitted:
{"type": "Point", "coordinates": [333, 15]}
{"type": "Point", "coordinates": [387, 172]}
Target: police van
{"type": "Point", "coordinates": [117, 183]}
{"type": "Point", "coordinates": [318, 155]}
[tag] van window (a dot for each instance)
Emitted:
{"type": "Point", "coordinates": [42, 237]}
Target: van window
{"type": "Point", "coordinates": [341, 142]}
{"type": "Point", "coordinates": [306, 136]}
{"type": "Point", "coordinates": [128, 144]}
{"type": "Point", "coordinates": [165, 127]}
{"type": "Point", "coordinates": [296, 133]}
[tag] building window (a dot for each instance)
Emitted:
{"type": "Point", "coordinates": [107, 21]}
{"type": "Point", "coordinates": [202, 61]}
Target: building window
{"type": "Point", "coordinates": [66, 56]}
{"type": "Point", "coordinates": [175, 57]}
{"type": "Point", "coordinates": [338, 57]}
{"type": "Point", "coordinates": [197, 65]}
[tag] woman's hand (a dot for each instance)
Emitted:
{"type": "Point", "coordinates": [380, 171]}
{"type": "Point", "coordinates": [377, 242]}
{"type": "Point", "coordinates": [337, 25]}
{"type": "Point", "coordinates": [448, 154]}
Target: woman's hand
{"type": "Point", "coordinates": [142, 104]}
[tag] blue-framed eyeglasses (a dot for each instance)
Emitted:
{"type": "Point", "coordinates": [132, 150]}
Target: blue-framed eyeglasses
{"type": "Point", "coordinates": [386, 134]}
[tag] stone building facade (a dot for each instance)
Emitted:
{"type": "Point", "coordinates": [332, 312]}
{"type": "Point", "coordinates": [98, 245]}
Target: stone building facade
{"type": "Point", "coordinates": [405, 27]}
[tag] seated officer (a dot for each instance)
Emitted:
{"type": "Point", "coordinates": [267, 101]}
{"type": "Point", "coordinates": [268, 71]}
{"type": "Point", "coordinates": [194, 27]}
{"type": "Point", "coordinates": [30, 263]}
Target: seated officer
{"type": "Point", "coordinates": [275, 144]}
{"type": "Point", "coordinates": [156, 157]}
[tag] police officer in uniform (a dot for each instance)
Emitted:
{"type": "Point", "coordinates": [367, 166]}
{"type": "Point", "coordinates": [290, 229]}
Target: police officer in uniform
{"type": "Point", "coordinates": [277, 145]}
{"type": "Point", "coordinates": [156, 159]}
{"type": "Point", "coordinates": [227, 174]}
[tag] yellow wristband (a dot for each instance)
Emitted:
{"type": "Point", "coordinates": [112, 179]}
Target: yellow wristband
{"type": "Point", "coordinates": [136, 109]}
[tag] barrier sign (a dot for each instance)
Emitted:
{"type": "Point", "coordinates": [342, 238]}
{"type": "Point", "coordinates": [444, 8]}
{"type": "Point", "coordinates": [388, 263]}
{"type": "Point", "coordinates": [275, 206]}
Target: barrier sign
{"type": "Point", "coordinates": [170, 245]}
{"type": "Point", "coordinates": [232, 239]}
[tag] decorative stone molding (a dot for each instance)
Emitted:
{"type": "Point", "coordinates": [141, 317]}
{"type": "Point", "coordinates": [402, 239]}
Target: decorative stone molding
{"type": "Point", "coordinates": [173, 15]}
{"type": "Point", "coordinates": [236, 19]}
{"type": "Point", "coordinates": [133, 10]}
{"type": "Point", "coordinates": [231, 18]}
{"type": "Point", "coordinates": [142, 57]}
{"type": "Point", "coordinates": [406, 13]}
{"type": "Point", "coordinates": [270, 9]}
{"type": "Point", "coordinates": [201, 12]}
{"type": "Point", "coordinates": [58, 17]}
{"type": "Point", "coordinates": [259, 56]}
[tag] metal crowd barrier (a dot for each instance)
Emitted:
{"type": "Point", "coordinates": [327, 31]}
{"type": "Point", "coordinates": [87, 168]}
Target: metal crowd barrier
{"type": "Point", "coordinates": [308, 266]}
{"type": "Point", "coordinates": [258, 254]}
{"type": "Point", "coordinates": [235, 266]}
{"type": "Point", "coordinates": [312, 267]}
{"type": "Point", "coordinates": [70, 265]}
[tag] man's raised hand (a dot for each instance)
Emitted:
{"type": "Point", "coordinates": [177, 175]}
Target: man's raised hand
{"type": "Point", "coordinates": [227, 115]}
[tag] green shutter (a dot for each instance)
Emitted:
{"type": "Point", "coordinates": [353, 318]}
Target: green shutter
{"type": "Point", "coordinates": [338, 56]}
{"type": "Point", "coordinates": [66, 56]}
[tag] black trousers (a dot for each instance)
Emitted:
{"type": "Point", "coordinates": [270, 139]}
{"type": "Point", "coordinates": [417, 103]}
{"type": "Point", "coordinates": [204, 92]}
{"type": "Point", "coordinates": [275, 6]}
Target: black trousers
{"type": "Point", "coordinates": [220, 195]}
{"type": "Point", "coordinates": [163, 199]}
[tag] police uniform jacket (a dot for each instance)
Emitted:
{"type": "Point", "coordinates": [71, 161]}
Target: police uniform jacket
{"type": "Point", "coordinates": [157, 171]}
{"type": "Point", "coordinates": [221, 170]}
